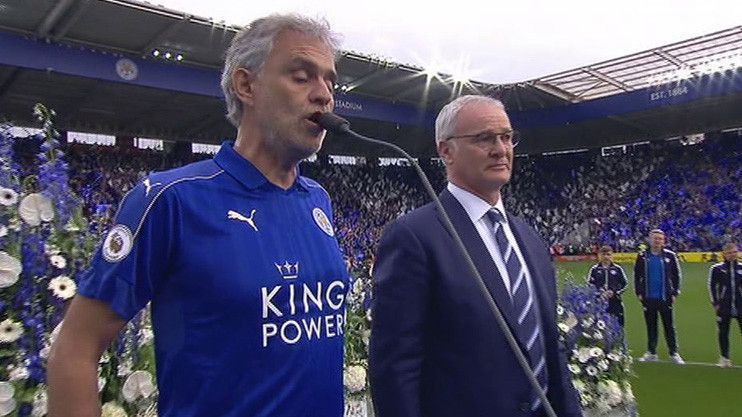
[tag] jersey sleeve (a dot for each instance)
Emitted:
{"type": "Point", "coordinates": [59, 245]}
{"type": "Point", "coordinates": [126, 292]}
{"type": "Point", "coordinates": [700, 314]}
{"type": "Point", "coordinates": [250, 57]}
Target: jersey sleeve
{"type": "Point", "coordinates": [132, 260]}
{"type": "Point", "coordinates": [589, 278]}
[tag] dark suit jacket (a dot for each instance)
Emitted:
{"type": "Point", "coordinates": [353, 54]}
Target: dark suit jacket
{"type": "Point", "coordinates": [435, 348]}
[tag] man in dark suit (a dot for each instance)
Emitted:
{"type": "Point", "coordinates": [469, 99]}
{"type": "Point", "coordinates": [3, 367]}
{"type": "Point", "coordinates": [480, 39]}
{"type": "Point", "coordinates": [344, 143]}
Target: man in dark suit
{"type": "Point", "coordinates": [436, 349]}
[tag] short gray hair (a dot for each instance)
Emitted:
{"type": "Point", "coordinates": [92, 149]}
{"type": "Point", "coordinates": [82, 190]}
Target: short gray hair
{"type": "Point", "coordinates": [445, 123]}
{"type": "Point", "coordinates": [251, 46]}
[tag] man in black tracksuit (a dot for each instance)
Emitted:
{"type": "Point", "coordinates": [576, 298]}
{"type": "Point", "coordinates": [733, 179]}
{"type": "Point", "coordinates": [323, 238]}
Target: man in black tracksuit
{"type": "Point", "coordinates": [610, 279]}
{"type": "Point", "coordinates": [657, 277]}
{"type": "Point", "coordinates": [725, 289]}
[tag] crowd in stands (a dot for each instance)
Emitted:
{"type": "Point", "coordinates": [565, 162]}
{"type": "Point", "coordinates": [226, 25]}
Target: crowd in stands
{"type": "Point", "coordinates": [576, 201]}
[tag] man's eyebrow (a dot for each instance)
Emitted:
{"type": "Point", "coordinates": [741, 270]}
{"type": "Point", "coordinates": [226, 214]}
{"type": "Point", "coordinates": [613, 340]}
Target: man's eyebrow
{"type": "Point", "coordinates": [303, 63]}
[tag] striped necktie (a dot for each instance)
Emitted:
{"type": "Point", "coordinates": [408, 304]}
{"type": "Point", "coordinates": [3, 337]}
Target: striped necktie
{"type": "Point", "coordinates": [528, 327]}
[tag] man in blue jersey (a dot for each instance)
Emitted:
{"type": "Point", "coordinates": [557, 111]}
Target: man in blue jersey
{"type": "Point", "coordinates": [237, 255]}
{"type": "Point", "coordinates": [657, 277]}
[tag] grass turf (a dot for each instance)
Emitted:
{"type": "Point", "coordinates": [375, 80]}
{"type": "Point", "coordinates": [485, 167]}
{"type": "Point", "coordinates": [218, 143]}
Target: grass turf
{"type": "Point", "coordinates": [664, 389]}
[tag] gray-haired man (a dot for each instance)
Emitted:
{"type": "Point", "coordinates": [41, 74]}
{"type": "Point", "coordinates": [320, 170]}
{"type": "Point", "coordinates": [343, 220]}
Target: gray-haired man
{"type": "Point", "coordinates": [237, 255]}
{"type": "Point", "coordinates": [435, 349]}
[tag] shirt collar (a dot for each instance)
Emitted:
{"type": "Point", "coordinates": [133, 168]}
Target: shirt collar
{"type": "Point", "coordinates": [474, 206]}
{"type": "Point", "coordinates": [244, 171]}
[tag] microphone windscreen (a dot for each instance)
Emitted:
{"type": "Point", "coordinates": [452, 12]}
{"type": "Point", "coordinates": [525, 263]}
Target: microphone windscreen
{"type": "Point", "coordinates": [331, 122]}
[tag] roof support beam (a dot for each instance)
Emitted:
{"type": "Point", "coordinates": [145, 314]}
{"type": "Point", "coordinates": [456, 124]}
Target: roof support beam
{"type": "Point", "coordinates": [590, 88]}
{"type": "Point", "coordinates": [555, 91]}
{"type": "Point", "coordinates": [65, 26]}
{"type": "Point", "coordinates": [53, 17]}
{"type": "Point", "coordinates": [612, 81]}
{"type": "Point", "coordinates": [164, 34]}
{"type": "Point", "coordinates": [669, 57]}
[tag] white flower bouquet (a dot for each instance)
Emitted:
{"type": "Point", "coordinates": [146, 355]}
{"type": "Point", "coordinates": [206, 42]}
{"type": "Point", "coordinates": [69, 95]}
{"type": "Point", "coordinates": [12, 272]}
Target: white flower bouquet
{"type": "Point", "coordinates": [597, 358]}
{"type": "Point", "coordinates": [45, 243]}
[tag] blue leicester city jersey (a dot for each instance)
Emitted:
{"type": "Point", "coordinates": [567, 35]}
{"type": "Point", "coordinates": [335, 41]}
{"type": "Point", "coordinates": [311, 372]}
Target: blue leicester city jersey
{"type": "Point", "coordinates": [247, 285]}
{"type": "Point", "coordinates": [656, 277]}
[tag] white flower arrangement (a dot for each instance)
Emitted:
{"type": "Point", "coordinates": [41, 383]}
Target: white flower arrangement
{"type": "Point", "coordinates": [10, 269]}
{"type": "Point", "coordinates": [354, 378]}
{"type": "Point", "coordinates": [58, 261]}
{"type": "Point", "coordinates": [112, 409]}
{"type": "Point", "coordinates": [45, 243]}
{"type": "Point", "coordinates": [63, 287]}
{"type": "Point", "coordinates": [7, 402]}
{"type": "Point", "coordinates": [357, 335]}
{"type": "Point", "coordinates": [599, 364]}
{"type": "Point", "coordinates": [584, 355]}
{"type": "Point", "coordinates": [8, 196]}
{"type": "Point", "coordinates": [40, 403]}
{"type": "Point", "coordinates": [138, 385]}
{"type": "Point", "coordinates": [10, 331]}
{"type": "Point", "coordinates": [18, 373]}
{"type": "Point", "coordinates": [35, 209]}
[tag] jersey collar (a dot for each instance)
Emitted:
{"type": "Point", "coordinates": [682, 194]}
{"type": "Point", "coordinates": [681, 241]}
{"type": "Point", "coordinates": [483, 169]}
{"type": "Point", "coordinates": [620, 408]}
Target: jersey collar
{"type": "Point", "coordinates": [244, 171]}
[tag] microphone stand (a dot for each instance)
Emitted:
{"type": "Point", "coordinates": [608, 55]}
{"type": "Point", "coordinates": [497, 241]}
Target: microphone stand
{"type": "Point", "coordinates": [337, 124]}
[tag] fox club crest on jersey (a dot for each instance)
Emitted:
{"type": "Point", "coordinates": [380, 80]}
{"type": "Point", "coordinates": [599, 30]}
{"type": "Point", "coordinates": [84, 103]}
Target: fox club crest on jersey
{"type": "Point", "coordinates": [613, 272]}
{"type": "Point", "coordinates": [323, 221]}
{"type": "Point", "coordinates": [118, 243]}
{"type": "Point", "coordinates": [233, 215]}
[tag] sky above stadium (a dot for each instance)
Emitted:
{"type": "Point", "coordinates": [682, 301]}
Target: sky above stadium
{"type": "Point", "coordinates": [494, 41]}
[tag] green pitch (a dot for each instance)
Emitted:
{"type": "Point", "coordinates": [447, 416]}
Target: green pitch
{"type": "Point", "coordinates": [665, 389]}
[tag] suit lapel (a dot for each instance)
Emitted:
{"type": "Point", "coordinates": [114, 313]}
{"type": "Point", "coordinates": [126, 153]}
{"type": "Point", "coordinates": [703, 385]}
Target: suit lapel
{"type": "Point", "coordinates": [479, 253]}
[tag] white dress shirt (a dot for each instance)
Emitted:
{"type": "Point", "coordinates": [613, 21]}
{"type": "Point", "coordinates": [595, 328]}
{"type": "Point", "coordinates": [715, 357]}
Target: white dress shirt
{"type": "Point", "coordinates": [477, 210]}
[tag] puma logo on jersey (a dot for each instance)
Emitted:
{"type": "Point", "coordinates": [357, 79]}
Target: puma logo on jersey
{"type": "Point", "coordinates": [233, 215]}
{"type": "Point", "coordinates": [148, 187]}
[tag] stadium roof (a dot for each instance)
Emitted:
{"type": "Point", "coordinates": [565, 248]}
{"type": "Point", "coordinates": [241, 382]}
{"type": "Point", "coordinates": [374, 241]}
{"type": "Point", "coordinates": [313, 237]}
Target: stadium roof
{"type": "Point", "coordinates": [704, 54]}
{"type": "Point", "coordinates": [132, 28]}
{"type": "Point", "coordinates": [136, 28]}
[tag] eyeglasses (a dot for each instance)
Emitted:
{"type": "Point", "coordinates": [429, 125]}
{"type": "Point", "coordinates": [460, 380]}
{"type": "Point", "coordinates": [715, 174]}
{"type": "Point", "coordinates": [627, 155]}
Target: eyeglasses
{"type": "Point", "coordinates": [486, 140]}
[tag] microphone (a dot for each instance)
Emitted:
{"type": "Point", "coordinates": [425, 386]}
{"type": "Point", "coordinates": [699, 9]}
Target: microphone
{"type": "Point", "coordinates": [331, 122]}
{"type": "Point", "coordinates": [336, 124]}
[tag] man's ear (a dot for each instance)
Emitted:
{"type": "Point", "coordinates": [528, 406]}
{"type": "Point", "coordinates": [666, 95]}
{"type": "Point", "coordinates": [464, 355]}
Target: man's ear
{"type": "Point", "coordinates": [243, 85]}
{"type": "Point", "coordinates": [445, 151]}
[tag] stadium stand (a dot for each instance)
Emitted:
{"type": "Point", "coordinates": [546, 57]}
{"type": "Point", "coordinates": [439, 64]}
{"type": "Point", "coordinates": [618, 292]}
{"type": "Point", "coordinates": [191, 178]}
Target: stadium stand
{"type": "Point", "coordinates": [577, 201]}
